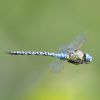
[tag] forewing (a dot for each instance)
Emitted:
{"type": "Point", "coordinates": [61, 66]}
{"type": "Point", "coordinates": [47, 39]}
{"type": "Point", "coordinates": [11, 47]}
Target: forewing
{"type": "Point", "coordinates": [75, 44]}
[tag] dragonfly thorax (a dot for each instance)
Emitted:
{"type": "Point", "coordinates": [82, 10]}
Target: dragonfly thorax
{"type": "Point", "coordinates": [76, 56]}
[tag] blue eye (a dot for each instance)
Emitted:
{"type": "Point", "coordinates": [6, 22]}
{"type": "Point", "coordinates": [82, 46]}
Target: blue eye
{"type": "Point", "coordinates": [88, 58]}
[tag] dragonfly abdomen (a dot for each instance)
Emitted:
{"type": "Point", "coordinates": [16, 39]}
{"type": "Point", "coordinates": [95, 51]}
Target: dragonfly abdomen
{"type": "Point", "coordinates": [31, 53]}
{"type": "Point", "coordinates": [57, 55]}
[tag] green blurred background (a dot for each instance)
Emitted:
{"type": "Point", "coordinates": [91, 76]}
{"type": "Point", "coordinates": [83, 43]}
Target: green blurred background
{"type": "Point", "coordinates": [44, 25]}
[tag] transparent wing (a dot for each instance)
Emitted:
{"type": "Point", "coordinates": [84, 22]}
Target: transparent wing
{"type": "Point", "coordinates": [75, 44]}
{"type": "Point", "coordinates": [57, 65]}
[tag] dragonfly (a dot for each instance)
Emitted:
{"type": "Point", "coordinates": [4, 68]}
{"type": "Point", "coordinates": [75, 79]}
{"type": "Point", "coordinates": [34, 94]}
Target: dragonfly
{"type": "Point", "coordinates": [70, 53]}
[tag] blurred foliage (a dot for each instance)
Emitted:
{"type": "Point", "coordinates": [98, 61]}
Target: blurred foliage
{"type": "Point", "coordinates": [44, 25]}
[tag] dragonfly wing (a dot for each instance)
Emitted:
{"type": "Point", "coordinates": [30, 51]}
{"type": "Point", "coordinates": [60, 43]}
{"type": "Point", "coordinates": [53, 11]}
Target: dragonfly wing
{"type": "Point", "coordinates": [57, 65]}
{"type": "Point", "coordinates": [75, 44]}
{"type": "Point", "coordinates": [78, 41]}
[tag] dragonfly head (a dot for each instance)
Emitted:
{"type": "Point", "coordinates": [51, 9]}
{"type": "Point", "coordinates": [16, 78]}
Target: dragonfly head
{"type": "Point", "coordinates": [88, 58]}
